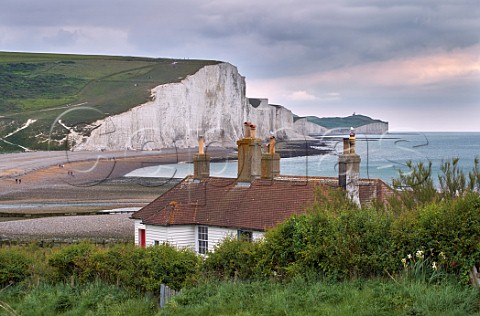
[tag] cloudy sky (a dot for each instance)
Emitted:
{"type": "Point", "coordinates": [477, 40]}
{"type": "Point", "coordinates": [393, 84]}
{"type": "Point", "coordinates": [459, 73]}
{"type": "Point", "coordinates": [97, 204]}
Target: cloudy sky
{"type": "Point", "coordinates": [413, 63]}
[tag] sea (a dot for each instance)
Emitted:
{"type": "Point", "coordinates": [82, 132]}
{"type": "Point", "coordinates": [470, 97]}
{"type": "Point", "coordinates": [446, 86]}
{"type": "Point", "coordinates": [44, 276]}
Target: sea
{"type": "Point", "coordinates": [382, 156]}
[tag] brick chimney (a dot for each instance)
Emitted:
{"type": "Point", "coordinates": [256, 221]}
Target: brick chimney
{"type": "Point", "coordinates": [270, 161]}
{"type": "Point", "coordinates": [201, 161]}
{"type": "Point", "coordinates": [249, 154]}
{"type": "Point", "coordinates": [349, 168]}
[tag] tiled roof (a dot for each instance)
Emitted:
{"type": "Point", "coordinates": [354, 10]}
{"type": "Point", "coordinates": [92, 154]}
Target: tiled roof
{"type": "Point", "coordinates": [223, 202]}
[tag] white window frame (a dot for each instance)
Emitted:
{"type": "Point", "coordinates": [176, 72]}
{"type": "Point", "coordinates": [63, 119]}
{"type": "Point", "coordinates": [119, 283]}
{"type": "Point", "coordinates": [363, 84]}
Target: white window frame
{"type": "Point", "coordinates": [202, 239]}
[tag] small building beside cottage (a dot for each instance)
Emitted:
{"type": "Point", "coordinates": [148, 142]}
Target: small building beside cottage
{"type": "Point", "coordinates": [200, 211]}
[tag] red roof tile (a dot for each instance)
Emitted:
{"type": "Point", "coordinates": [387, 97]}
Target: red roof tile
{"type": "Point", "coordinates": [223, 202]}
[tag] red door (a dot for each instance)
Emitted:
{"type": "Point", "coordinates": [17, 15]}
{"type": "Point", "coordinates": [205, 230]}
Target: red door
{"type": "Point", "coordinates": [142, 239]}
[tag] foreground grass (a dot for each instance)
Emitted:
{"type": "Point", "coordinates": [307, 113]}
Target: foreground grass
{"type": "Point", "coordinates": [297, 297]}
{"type": "Point", "coordinates": [300, 297]}
{"type": "Point", "coordinates": [60, 299]}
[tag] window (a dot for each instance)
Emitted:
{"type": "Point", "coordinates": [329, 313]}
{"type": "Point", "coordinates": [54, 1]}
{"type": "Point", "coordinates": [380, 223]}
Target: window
{"type": "Point", "coordinates": [245, 235]}
{"type": "Point", "coordinates": [156, 242]}
{"type": "Point", "coordinates": [202, 239]}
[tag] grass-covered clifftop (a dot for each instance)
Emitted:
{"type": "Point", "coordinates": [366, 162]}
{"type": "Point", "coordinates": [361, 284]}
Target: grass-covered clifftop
{"type": "Point", "coordinates": [40, 87]}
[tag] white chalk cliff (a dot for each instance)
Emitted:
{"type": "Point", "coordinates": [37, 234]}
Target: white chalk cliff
{"type": "Point", "coordinates": [211, 102]}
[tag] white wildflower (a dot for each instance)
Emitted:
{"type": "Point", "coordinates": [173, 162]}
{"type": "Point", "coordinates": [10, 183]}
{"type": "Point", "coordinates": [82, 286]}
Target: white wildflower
{"type": "Point", "coordinates": [409, 256]}
{"type": "Point", "coordinates": [434, 266]}
{"type": "Point", "coordinates": [442, 256]}
{"type": "Point", "coordinates": [419, 254]}
{"type": "Point", "coordinates": [404, 261]}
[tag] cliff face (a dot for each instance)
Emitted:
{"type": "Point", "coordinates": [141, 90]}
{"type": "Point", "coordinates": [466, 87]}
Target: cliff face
{"type": "Point", "coordinates": [303, 126]}
{"type": "Point", "coordinates": [270, 119]}
{"type": "Point", "coordinates": [211, 102]}
{"type": "Point", "coordinates": [373, 128]}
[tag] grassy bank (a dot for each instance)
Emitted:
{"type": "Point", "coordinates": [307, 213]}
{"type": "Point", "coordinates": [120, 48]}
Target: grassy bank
{"type": "Point", "coordinates": [297, 297]}
{"type": "Point", "coordinates": [303, 297]}
{"type": "Point", "coordinates": [62, 299]}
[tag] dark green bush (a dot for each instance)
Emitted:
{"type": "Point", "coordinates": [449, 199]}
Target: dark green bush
{"type": "Point", "coordinates": [345, 243]}
{"type": "Point", "coordinates": [74, 262]}
{"type": "Point", "coordinates": [168, 265]}
{"type": "Point", "coordinates": [127, 265]}
{"type": "Point", "coordinates": [233, 259]}
{"type": "Point", "coordinates": [15, 266]}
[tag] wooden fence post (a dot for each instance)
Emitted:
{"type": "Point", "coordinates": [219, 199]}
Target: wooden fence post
{"type": "Point", "coordinates": [162, 295]}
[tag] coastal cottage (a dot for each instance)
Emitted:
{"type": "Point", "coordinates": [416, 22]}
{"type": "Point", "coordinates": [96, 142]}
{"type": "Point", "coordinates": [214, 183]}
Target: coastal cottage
{"type": "Point", "coordinates": [200, 211]}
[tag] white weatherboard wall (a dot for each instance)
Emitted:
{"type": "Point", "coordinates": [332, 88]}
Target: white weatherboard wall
{"type": "Point", "coordinates": [180, 236]}
{"type": "Point", "coordinates": [217, 234]}
{"type": "Point", "coordinates": [186, 236]}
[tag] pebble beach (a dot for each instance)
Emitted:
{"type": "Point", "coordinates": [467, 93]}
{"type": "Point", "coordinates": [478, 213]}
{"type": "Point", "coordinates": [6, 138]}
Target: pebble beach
{"type": "Point", "coordinates": [88, 227]}
{"type": "Point", "coordinates": [82, 184]}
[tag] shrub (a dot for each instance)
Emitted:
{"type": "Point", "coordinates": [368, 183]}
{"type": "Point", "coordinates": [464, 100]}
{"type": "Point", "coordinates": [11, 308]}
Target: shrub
{"type": "Point", "coordinates": [132, 267]}
{"type": "Point", "coordinates": [15, 266]}
{"type": "Point", "coordinates": [166, 264]}
{"type": "Point", "coordinates": [74, 262]}
{"type": "Point", "coordinates": [451, 227]}
{"type": "Point", "coordinates": [336, 243]}
{"type": "Point", "coordinates": [233, 259]}
{"type": "Point", "coordinates": [414, 188]}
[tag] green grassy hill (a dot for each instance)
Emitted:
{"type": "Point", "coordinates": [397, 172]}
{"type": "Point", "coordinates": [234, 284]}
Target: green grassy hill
{"type": "Point", "coordinates": [80, 88]}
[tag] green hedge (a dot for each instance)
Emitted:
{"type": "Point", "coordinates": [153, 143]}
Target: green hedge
{"type": "Point", "coordinates": [126, 265]}
{"type": "Point", "coordinates": [15, 266]}
{"type": "Point", "coordinates": [358, 243]}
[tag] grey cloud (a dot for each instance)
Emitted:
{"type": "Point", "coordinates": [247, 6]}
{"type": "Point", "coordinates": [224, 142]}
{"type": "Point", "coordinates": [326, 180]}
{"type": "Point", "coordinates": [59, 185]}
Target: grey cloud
{"type": "Point", "coordinates": [337, 35]}
{"type": "Point", "coordinates": [268, 38]}
{"type": "Point", "coordinates": [332, 34]}
{"type": "Point", "coordinates": [63, 38]}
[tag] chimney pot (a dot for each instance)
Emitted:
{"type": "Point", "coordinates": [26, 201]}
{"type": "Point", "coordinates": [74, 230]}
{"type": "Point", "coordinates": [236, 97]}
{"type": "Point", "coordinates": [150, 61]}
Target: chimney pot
{"type": "Point", "coordinates": [352, 140]}
{"type": "Point", "coordinates": [271, 146]}
{"type": "Point", "coordinates": [246, 129]}
{"type": "Point", "coordinates": [253, 133]}
{"type": "Point", "coordinates": [201, 145]}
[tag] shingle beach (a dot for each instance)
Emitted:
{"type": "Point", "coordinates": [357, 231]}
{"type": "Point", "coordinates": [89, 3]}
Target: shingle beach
{"type": "Point", "coordinates": [91, 227]}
